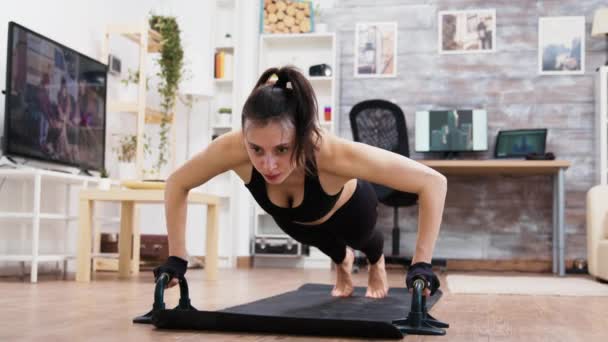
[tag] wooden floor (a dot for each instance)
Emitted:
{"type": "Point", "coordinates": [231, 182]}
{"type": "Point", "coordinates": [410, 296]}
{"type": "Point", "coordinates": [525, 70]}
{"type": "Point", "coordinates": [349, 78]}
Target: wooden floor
{"type": "Point", "coordinates": [57, 310]}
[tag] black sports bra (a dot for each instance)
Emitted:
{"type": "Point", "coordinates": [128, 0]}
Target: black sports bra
{"type": "Point", "coordinates": [315, 205]}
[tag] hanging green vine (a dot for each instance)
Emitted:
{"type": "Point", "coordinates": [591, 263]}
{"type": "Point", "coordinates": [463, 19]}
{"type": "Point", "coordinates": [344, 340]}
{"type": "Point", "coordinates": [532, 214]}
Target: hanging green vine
{"type": "Point", "coordinates": [171, 68]}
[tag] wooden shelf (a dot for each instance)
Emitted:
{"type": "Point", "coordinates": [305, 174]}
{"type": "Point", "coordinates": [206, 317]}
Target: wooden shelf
{"type": "Point", "coordinates": [222, 127]}
{"type": "Point", "coordinates": [222, 80]}
{"type": "Point", "coordinates": [225, 48]}
{"type": "Point", "coordinates": [280, 36]}
{"type": "Point", "coordinates": [153, 116]}
{"type": "Point", "coordinates": [40, 258]}
{"type": "Point", "coordinates": [320, 78]}
{"type": "Point", "coordinates": [29, 216]}
{"type": "Point", "coordinates": [148, 41]}
{"type": "Point", "coordinates": [154, 39]}
{"type": "Point", "coordinates": [122, 107]}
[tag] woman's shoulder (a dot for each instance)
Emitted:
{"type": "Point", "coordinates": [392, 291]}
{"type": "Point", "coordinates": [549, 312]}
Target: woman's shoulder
{"type": "Point", "coordinates": [327, 148]}
{"type": "Point", "coordinates": [233, 145]}
{"type": "Point", "coordinates": [329, 143]}
{"type": "Point", "coordinates": [236, 148]}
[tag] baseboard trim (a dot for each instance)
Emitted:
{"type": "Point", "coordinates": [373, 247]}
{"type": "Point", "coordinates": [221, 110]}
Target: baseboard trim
{"type": "Point", "coordinates": [244, 262]}
{"type": "Point", "coordinates": [241, 261]}
{"type": "Point", "coordinates": [536, 266]}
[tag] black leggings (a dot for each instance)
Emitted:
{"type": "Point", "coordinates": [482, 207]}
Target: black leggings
{"type": "Point", "coordinates": [352, 225]}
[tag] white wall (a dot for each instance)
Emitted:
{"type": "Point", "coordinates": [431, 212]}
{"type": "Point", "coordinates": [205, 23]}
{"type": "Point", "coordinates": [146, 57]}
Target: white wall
{"type": "Point", "coordinates": [81, 25]}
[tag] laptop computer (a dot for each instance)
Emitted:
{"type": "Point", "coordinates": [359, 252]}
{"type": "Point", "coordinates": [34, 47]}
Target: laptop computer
{"type": "Point", "coordinates": [520, 143]}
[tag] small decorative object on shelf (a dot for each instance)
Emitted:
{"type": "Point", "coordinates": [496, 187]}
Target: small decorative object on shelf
{"type": "Point", "coordinates": [287, 16]}
{"type": "Point", "coordinates": [327, 113]}
{"type": "Point", "coordinates": [223, 65]}
{"type": "Point", "coordinates": [227, 39]}
{"type": "Point", "coordinates": [319, 26]}
{"type": "Point", "coordinates": [322, 70]}
{"type": "Point", "coordinates": [114, 65]}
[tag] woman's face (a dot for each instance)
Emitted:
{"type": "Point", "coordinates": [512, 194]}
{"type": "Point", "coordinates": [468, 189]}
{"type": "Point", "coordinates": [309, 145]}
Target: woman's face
{"type": "Point", "coordinates": [269, 148]}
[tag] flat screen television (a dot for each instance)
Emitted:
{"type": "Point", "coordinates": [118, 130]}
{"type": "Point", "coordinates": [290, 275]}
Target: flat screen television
{"type": "Point", "coordinates": [451, 131]}
{"type": "Point", "coordinates": [55, 108]}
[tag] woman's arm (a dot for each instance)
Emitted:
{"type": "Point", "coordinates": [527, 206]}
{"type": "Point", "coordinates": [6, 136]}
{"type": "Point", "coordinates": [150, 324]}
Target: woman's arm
{"type": "Point", "coordinates": [357, 160]}
{"type": "Point", "coordinates": [223, 154]}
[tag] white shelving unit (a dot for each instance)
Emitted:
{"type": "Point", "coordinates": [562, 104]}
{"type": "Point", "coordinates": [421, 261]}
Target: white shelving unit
{"type": "Point", "coordinates": [601, 114]}
{"type": "Point", "coordinates": [225, 21]}
{"type": "Point", "coordinates": [224, 95]}
{"type": "Point", "coordinates": [31, 214]}
{"type": "Point", "coordinates": [304, 50]}
{"type": "Point", "coordinates": [301, 51]}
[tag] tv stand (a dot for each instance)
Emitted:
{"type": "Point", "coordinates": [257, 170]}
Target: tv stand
{"type": "Point", "coordinates": [33, 216]}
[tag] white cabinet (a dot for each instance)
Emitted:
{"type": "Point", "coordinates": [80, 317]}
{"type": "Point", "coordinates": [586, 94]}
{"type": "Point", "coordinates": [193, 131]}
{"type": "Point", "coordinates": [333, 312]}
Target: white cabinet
{"type": "Point", "coordinates": [302, 51]}
{"type": "Point", "coordinates": [601, 125]}
{"type": "Point", "coordinates": [30, 214]}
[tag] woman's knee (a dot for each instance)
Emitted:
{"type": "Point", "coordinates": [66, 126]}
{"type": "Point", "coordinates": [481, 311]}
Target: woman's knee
{"type": "Point", "coordinates": [373, 247]}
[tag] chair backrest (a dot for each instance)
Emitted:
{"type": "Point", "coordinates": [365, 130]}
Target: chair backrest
{"type": "Point", "coordinates": [380, 123]}
{"type": "Point", "coordinates": [597, 226]}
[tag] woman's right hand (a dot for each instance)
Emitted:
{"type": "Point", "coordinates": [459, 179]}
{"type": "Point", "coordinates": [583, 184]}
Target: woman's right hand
{"type": "Point", "coordinates": [175, 267]}
{"type": "Point", "coordinates": [425, 271]}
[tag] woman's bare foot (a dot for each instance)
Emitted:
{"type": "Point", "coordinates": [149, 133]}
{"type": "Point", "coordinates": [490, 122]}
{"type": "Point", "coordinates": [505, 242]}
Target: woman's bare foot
{"type": "Point", "coordinates": [344, 283]}
{"type": "Point", "coordinates": [377, 284]}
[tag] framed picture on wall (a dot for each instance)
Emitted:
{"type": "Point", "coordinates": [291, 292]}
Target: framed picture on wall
{"type": "Point", "coordinates": [376, 49]}
{"type": "Point", "coordinates": [467, 31]}
{"type": "Point", "coordinates": [561, 45]}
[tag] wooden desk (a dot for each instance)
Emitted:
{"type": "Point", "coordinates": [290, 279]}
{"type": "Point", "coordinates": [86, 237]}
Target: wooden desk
{"type": "Point", "coordinates": [128, 198]}
{"type": "Point", "coordinates": [519, 167]}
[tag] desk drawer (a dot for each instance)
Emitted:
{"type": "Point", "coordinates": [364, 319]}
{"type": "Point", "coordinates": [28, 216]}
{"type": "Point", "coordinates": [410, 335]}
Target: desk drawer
{"type": "Point", "coordinates": [154, 247]}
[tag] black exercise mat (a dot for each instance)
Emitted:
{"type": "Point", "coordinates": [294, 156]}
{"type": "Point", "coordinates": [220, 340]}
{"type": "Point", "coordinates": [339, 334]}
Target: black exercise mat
{"type": "Point", "coordinates": [309, 310]}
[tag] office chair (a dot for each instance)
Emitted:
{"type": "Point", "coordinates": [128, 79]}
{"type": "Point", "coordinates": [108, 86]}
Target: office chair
{"type": "Point", "coordinates": [381, 124]}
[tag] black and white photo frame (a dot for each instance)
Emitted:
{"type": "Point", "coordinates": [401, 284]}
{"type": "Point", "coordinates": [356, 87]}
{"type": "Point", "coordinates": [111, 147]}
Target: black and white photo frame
{"type": "Point", "coordinates": [467, 31]}
{"type": "Point", "coordinates": [375, 49]}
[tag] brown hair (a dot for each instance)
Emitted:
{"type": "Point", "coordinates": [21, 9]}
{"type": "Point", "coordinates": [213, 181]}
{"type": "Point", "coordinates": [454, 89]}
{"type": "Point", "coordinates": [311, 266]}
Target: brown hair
{"type": "Point", "coordinates": [297, 104]}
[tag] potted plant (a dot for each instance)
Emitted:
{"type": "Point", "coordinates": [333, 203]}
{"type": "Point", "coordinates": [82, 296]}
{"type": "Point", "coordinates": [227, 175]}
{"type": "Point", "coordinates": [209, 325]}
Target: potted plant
{"type": "Point", "coordinates": [224, 116]}
{"type": "Point", "coordinates": [129, 93]}
{"type": "Point", "coordinates": [171, 70]}
{"type": "Point", "coordinates": [125, 152]}
{"type": "Point", "coordinates": [319, 26]}
{"type": "Point", "coordinates": [104, 182]}
{"type": "Point", "coordinates": [131, 83]}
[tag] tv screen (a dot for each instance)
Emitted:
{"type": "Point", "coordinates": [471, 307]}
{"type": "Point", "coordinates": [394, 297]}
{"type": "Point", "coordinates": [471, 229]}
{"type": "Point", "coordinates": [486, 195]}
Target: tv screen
{"type": "Point", "coordinates": [520, 142]}
{"type": "Point", "coordinates": [451, 131]}
{"type": "Point", "coordinates": [55, 107]}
